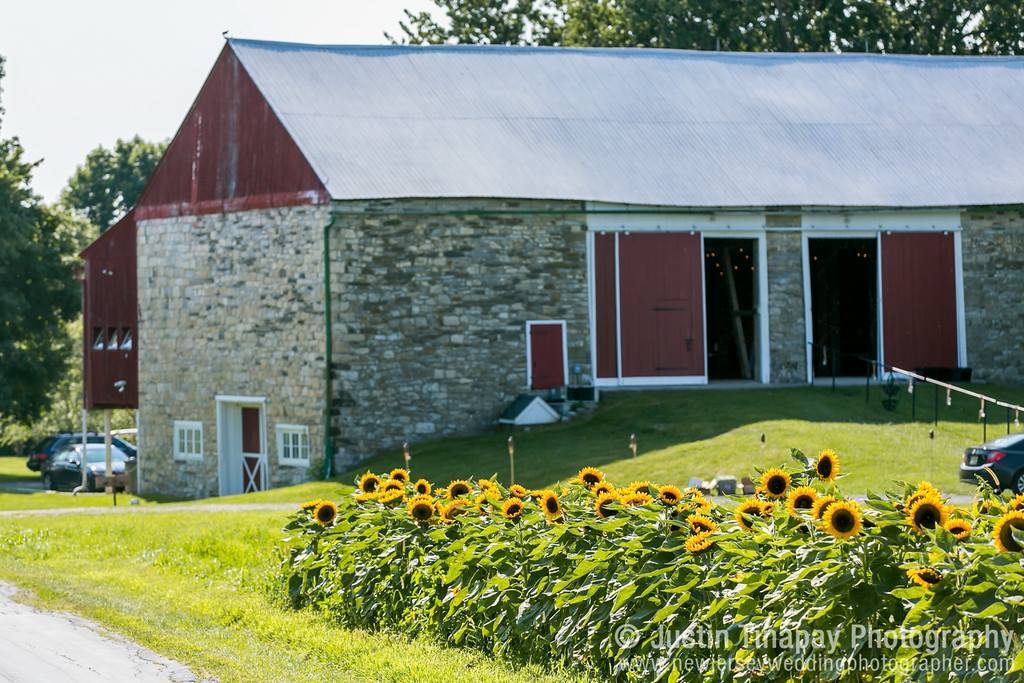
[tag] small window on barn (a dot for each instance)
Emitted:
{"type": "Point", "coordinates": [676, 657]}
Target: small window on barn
{"type": "Point", "coordinates": [293, 445]}
{"type": "Point", "coordinates": [99, 341]}
{"type": "Point", "coordinates": [112, 339]}
{"type": "Point", "coordinates": [126, 339]}
{"type": "Point", "coordinates": [188, 440]}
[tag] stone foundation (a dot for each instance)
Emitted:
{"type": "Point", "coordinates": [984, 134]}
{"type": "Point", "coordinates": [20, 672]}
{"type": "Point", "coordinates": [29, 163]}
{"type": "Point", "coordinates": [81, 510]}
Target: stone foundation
{"type": "Point", "coordinates": [786, 330]}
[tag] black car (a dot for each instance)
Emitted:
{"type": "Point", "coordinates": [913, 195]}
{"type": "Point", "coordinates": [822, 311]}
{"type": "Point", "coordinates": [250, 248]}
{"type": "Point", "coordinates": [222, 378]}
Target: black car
{"type": "Point", "coordinates": [39, 461]}
{"type": "Point", "coordinates": [65, 470]}
{"type": "Point", "coordinates": [999, 463]}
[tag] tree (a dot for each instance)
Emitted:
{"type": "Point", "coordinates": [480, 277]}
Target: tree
{"type": "Point", "coordinates": [906, 26]}
{"type": "Point", "coordinates": [110, 181]}
{"type": "Point", "coordinates": [38, 291]}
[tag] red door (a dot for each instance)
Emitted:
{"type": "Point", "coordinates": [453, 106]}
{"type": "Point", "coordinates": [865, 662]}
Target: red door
{"type": "Point", "coordinates": [661, 305]}
{"type": "Point", "coordinates": [252, 456]}
{"type": "Point", "coordinates": [919, 300]}
{"type": "Point", "coordinates": [547, 356]}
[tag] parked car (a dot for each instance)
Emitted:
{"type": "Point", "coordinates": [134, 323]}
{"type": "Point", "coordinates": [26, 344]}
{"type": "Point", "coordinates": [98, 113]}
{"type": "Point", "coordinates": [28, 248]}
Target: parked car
{"type": "Point", "coordinates": [999, 463]}
{"type": "Point", "coordinates": [38, 461]}
{"type": "Point", "coordinates": [64, 472]}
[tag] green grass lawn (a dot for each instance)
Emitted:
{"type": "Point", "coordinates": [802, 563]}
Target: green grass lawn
{"type": "Point", "coordinates": [704, 433]}
{"type": "Point", "coordinates": [199, 587]}
{"type": "Point", "coordinates": [12, 469]}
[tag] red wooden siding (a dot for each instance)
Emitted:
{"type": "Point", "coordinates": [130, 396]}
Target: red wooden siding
{"type": "Point", "coordinates": [547, 356]}
{"type": "Point", "coordinates": [230, 153]}
{"type": "Point", "coordinates": [661, 306]}
{"type": "Point", "coordinates": [919, 300]}
{"type": "Point", "coordinates": [251, 430]}
{"type": "Point", "coordinates": [604, 295]}
{"type": "Point", "coordinates": [109, 311]}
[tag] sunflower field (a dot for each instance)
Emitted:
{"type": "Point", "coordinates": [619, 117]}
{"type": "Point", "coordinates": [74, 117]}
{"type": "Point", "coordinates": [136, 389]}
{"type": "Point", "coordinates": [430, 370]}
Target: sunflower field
{"type": "Point", "coordinates": [648, 582]}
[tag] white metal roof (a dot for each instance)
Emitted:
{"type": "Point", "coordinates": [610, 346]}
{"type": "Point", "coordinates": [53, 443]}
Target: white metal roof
{"type": "Point", "coordinates": [642, 126]}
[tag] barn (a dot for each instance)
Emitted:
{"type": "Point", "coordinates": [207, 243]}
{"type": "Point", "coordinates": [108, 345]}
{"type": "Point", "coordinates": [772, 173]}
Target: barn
{"type": "Point", "coordinates": [345, 248]}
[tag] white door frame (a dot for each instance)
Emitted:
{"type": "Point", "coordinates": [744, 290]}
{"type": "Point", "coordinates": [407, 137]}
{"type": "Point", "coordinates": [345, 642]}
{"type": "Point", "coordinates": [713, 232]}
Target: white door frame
{"type": "Point", "coordinates": [223, 402]}
{"type": "Point", "coordinates": [529, 350]}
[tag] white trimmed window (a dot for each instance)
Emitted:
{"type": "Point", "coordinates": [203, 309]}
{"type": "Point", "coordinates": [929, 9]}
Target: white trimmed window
{"type": "Point", "coordinates": [188, 440]}
{"type": "Point", "coordinates": [293, 445]}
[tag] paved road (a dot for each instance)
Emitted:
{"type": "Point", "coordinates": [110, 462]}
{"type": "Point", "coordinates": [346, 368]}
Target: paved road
{"type": "Point", "coordinates": [45, 646]}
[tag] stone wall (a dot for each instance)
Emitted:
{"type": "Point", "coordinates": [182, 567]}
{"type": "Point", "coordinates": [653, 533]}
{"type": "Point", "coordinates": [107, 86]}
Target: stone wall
{"type": "Point", "coordinates": [228, 304]}
{"type": "Point", "coordinates": [993, 265]}
{"type": "Point", "coordinates": [786, 331]}
{"type": "Point", "coordinates": [430, 309]}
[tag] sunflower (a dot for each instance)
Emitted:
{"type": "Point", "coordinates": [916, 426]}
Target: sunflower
{"type": "Point", "coordinates": [310, 504]}
{"type": "Point", "coordinates": [927, 513]}
{"type": "Point", "coordinates": [601, 504]}
{"type": "Point", "coordinates": [699, 542]}
{"type": "Point", "coordinates": [488, 486]}
{"type": "Point", "coordinates": [960, 528]}
{"type": "Point", "coordinates": [512, 508]}
{"type": "Point", "coordinates": [827, 466]}
{"type": "Point", "coordinates": [1003, 531]}
{"type": "Point", "coordinates": [363, 497]}
{"type": "Point", "coordinates": [590, 477]}
{"type": "Point", "coordinates": [390, 496]}
{"type": "Point", "coordinates": [458, 488]}
{"type": "Point", "coordinates": [602, 487]}
{"type": "Point", "coordinates": [400, 474]}
{"type": "Point", "coordinates": [450, 511]}
{"type": "Point", "coordinates": [821, 504]}
{"type": "Point", "coordinates": [926, 487]}
{"type": "Point", "coordinates": [701, 504]}
{"type": "Point", "coordinates": [775, 483]}
{"type": "Point", "coordinates": [926, 577]}
{"type": "Point", "coordinates": [549, 505]}
{"type": "Point", "coordinates": [987, 506]}
{"type": "Point", "coordinates": [670, 495]}
{"type": "Point", "coordinates": [482, 502]}
{"type": "Point", "coordinates": [518, 491]}
{"type": "Point", "coordinates": [393, 485]}
{"type": "Point", "coordinates": [325, 512]}
{"type": "Point", "coordinates": [801, 498]}
{"type": "Point", "coordinates": [637, 499]}
{"type": "Point", "coordinates": [700, 524]}
{"type": "Point", "coordinates": [421, 508]}
{"type": "Point", "coordinates": [639, 487]}
{"type": "Point", "coordinates": [750, 508]}
{"type": "Point", "coordinates": [842, 519]}
{"type": "Point", "coordinates": [369, 483]}
{"type": "Point", "coordinates": [422, 487]}
{"type": "Point", "coordinates": [1016, 504]}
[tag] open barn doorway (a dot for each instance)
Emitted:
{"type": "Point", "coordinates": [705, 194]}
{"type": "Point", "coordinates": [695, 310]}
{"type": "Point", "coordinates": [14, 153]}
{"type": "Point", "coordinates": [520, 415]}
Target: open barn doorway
{"type": "Point", "coordinates": [731, 296]}
{"type": "Point", "coordinates": [844, 305]}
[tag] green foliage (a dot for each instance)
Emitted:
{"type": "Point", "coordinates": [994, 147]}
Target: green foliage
{"type": "Point", "coordinates": [38, 291]}
{"type": "Point", "coordinates": [631, 597]}
{"type": "Point", "coordinates": [908, 26]}
{"type": "Point", "coordinates": [110, 181]}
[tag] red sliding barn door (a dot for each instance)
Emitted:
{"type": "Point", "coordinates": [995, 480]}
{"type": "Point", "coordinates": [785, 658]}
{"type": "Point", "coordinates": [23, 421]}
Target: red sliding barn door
{"type": "Point", "coordinates": [661, 305]}
{"type": "Point", "coordinates": [919, 300]}
{"type": "Point", "coordinates": [605, 307]}
{"type": "Point", "coordinates": [252, 458]}
{"type": "Point", "coordinates": [547, 356]}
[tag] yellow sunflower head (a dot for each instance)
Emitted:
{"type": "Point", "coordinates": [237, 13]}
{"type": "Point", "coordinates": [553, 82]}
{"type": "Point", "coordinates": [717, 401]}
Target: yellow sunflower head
{"type": "Point", "coordinates": [518, 491]}
{"type": "Point", "coordinates": [311, 504]}
{"type": "Point", "coordinates": [842, 519]}
{"type": "Point", "coordinates": [925, 576]}
{"type": "Point", "coordinates": [640, 487]}
{"type": "Point", "coordinates": [821, 505]}
{"type": "Point", "coordinates": [987, 506]}
{"type": "Point", "coordinates": [512, 508]}
{"type": "Point", "coordinates": [602, 487]}
{"type": "Point", "coordinates": [325, 512]}
{"type": "Point", "coordinates": [637, 499]}
{"type": "Point", "coordinates": [550, 505]}
{"type": "Point", "coordinates": [927, 513]}
{"type": "Point", "coordinates": [458, 489]}
{"type": "Point", "coordinates": [451, 510]}
{"type": "Point", "coordinates": [488, 486]}
{"type": "Point", "coordinates": [422, 487]}
{"type": "Point", "coordinates": [827, 466]}
{"type": "Point", "coordinates": [801, 498]}
{"type": "Point", "coordinates": [392, 485]}
{"type": "Point", "coordinates": [364, 497]}
{"type": "Point", "coordinates": [1003, 531]}
{"type": "Point", "coordinates": [369, 483]}
{"type": "Point", "coordinates": [388, 497]}
{"type": "Point", "coordinates": [484, 502]}
{"type": "Point", "coordinates": [400, 474]}
{"type": "Point", "coordinates": [775, 483]}
{"type": "Point", "coordinates": [699, 524]}
{"type": "Point", "coordinates": [750, 508]}
{"type": "Point", "coordinates": [960, 528]}
{"type": "Point", "coordinates": [1016, 504]}
{"type": "Point", "coordinates": [590, 477]}
{"type": "Point", "coordinates": [670, 495]}
{"type": "Point", "coordinates": [699, 542]}
{"type": "Point", "coordinates": [602, 506]}
{"type": "Point", "coordinates": [421, 508]}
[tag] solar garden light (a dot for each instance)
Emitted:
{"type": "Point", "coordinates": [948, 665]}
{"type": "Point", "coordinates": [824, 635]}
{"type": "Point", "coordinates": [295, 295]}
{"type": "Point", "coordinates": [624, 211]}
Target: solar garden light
{"type": "Point", "coordinates": [632, 444]}
{"type": "Point", "coordinates": [407, 455]}
{"type": "Point", "coordinates": [511, 461]}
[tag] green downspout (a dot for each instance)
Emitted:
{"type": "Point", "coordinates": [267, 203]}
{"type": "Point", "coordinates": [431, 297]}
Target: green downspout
{"type": "Point", "coordinates": [328, 351]}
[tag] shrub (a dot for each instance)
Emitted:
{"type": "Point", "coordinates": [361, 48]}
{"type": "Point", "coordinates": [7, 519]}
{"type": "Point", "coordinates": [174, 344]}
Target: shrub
{"type": "Point", "coordinates": [649, 582]}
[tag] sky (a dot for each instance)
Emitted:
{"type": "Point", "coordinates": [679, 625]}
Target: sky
{"type": "Point", "coordinates": [81, 74]}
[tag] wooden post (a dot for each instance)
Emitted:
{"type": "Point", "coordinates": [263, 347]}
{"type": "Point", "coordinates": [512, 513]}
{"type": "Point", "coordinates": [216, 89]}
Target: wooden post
{"type": "Point", "coordinates": [85, 445]}
{"type": "Point", "coordinates": [633, 444]}
{"type": "Point", "coordinates": [408, 457]}
{"type": "Point", "coordinates": [511, 460]}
